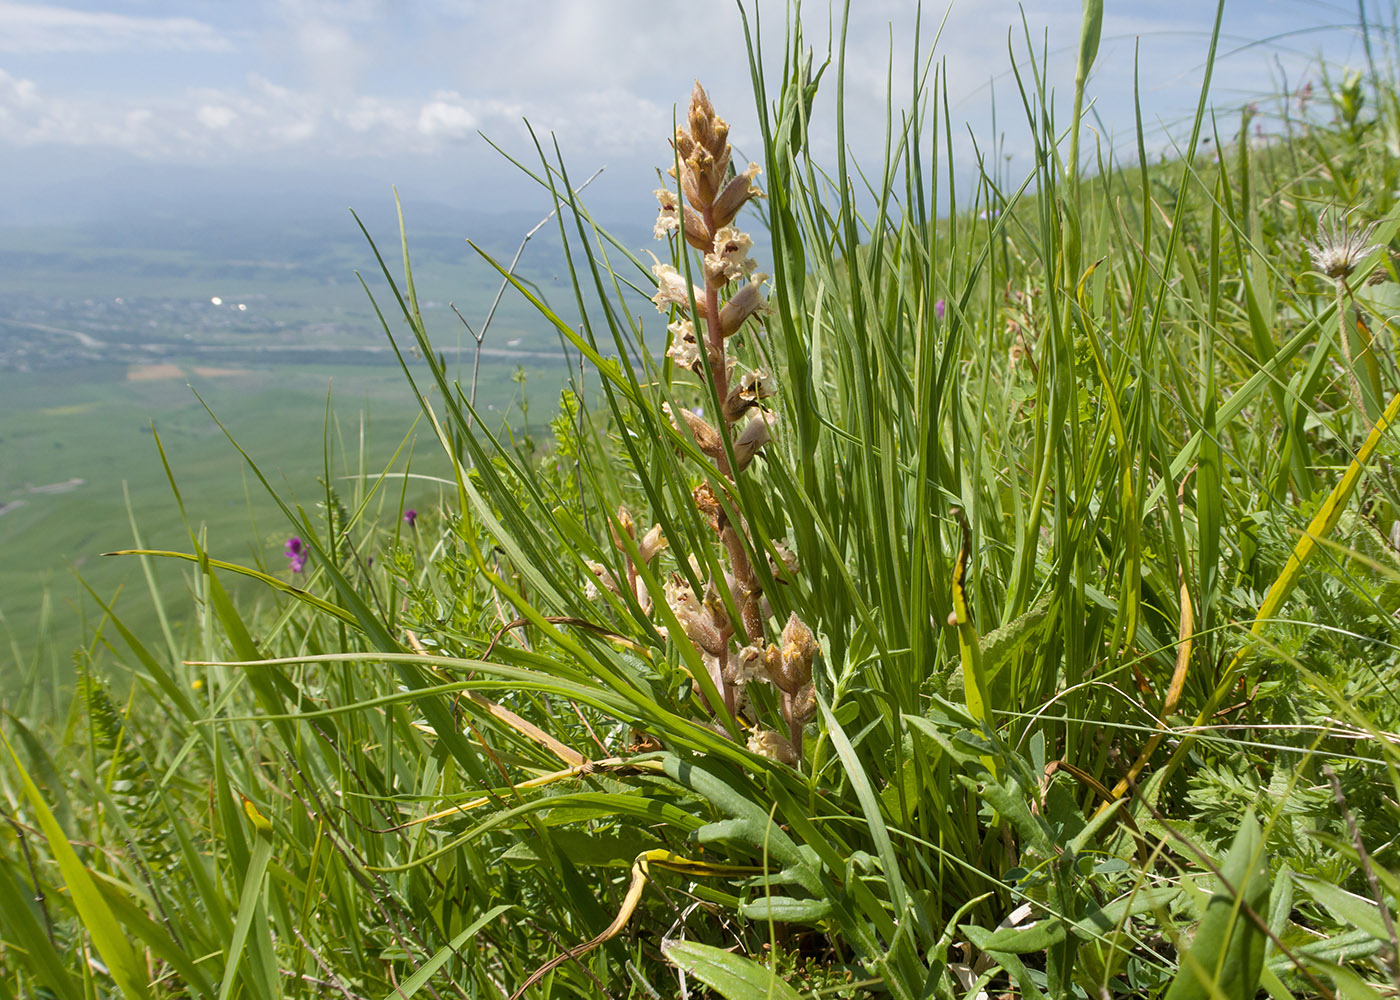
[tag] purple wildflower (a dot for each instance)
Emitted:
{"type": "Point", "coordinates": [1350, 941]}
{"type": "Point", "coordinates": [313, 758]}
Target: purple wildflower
{"type": "Point", "coordinates": [411, 517]}
{"type": "Point", "coordinates": [296, 554]}
{"type": "Point", "coordinates": [939, 308]}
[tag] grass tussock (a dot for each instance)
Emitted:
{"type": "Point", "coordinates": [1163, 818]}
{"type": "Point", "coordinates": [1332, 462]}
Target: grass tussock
{"type": "Point", "coordinates": [999, 601]}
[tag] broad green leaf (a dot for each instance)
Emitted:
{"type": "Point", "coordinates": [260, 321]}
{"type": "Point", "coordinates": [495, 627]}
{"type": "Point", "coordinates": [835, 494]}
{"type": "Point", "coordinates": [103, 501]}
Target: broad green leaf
{"type": "Point", "coordinates": [1227, 952]}
{"type": "Point", "coordinates": [732, 976]}
{"type": "Point", "coordinates": [1019, 940]}
{"type": "Point", "coordinates": [869, 804]}
{"type": "Point", "coordinates": [785, 909]}
{"type": "Point", "coordinates": [616, 849]}
{"type": "Point", "coordinates": [250, 906]}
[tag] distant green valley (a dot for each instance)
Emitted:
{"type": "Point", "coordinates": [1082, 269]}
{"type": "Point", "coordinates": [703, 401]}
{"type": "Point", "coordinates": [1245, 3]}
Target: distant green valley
{"type": "Point", "coordinates": [108, 330]}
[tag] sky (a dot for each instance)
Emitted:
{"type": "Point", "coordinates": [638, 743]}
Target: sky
{"type": "Point", "coordinates": [111, 105]}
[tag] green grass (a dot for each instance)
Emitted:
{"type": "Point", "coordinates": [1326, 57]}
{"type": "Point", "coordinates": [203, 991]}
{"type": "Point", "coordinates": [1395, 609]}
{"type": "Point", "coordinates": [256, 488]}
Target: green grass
{"type": "Point", "coordinates": [1081, 682]}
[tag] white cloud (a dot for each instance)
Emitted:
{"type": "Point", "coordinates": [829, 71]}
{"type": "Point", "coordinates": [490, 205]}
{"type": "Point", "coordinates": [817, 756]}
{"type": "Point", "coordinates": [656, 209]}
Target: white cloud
{"type": "Point", "coordinates": [603, 76]}
{"type": "Point", "coordinates": [35, 28]}
{"type": "Point", "coordinates": [261, 118]}
{"type": "Point", "coordinates": [216, 116]}
{"type": "Point", "coordinates": [446, 116]}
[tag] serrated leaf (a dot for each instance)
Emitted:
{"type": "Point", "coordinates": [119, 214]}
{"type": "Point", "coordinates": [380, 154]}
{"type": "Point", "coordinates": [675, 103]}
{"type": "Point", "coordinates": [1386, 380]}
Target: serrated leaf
{"type": "Point", "coordinates": [1001, 643]}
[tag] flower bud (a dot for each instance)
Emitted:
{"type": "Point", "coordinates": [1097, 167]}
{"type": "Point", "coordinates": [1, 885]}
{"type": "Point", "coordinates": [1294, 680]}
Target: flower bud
{"type": "Point", "coordinates": [652, 543]}
{"type": "Point", "coordinates": [735, 194]}
{"type": "Point", "coordinates": [708, 505]}
{"type": "Point", "coordinates": [685, 145]}
{"type": "Point", "coordinates": [707, 439]}
{"type": "Point", "coordinates": [694, 618]}
{"type": "Point", "coordinates": [697, 234]}
{"type": "Point", "coordinates": [625, 522]}
{"type": "Point", "coordinates": [747, 301]}
{"type": "Point", "coordinates": [756, 433]}
{"type": "Point", "coordinates": [798, 651]}
{"type": "Point", "coordinates": [804, 706]}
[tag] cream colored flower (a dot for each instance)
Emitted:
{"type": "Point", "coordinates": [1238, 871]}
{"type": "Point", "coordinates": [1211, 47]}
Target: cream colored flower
{"type": "Point", "coordinates": [686, 354]}
{"type": "Point", "coordinates": [671, 288]}
{"type": "Point", "coordinates": [684, 349]}
{"type": "Point", "coordinates": [746, 667]}
{"type": "Point", "coordinates": [729, 259]}
{"type": "Point", "coordinates": [773, 745]}
{"type": "Point", "coordinates": [668, 220]}
{"type": "Point", "coordinates": [746, 393]}
{"type": "Point", "coordinates": [787, 557]}
{"type": "Point", "coordinates": [603, 575]}
{"type": "Point", "coordinates": [693, 617]}
{"type": "Point", "coordinates": [652, 543]}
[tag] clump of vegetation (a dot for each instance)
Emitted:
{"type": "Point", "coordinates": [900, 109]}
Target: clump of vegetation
{"type": "Point", "coordinates": [995, 602]}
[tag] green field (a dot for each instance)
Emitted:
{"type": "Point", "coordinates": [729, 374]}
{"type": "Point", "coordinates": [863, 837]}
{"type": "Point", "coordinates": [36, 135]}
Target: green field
{"type": "Point", "coordinates": [75, 445]}
{"type": "Point", "coordinates": [87, 309]}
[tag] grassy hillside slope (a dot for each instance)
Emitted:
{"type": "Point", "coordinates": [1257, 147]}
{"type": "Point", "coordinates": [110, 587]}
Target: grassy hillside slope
{"type": "Point", "coordinates": [994, 604]}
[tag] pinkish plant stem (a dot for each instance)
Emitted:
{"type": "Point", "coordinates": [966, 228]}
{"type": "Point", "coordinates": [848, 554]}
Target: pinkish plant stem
{"type": "Point", "coordinates": [714, 353]}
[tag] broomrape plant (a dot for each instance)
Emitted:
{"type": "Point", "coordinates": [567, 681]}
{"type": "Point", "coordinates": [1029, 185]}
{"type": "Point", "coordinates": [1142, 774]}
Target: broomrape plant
{"type": "Point", "coordinates": [733, 651]}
